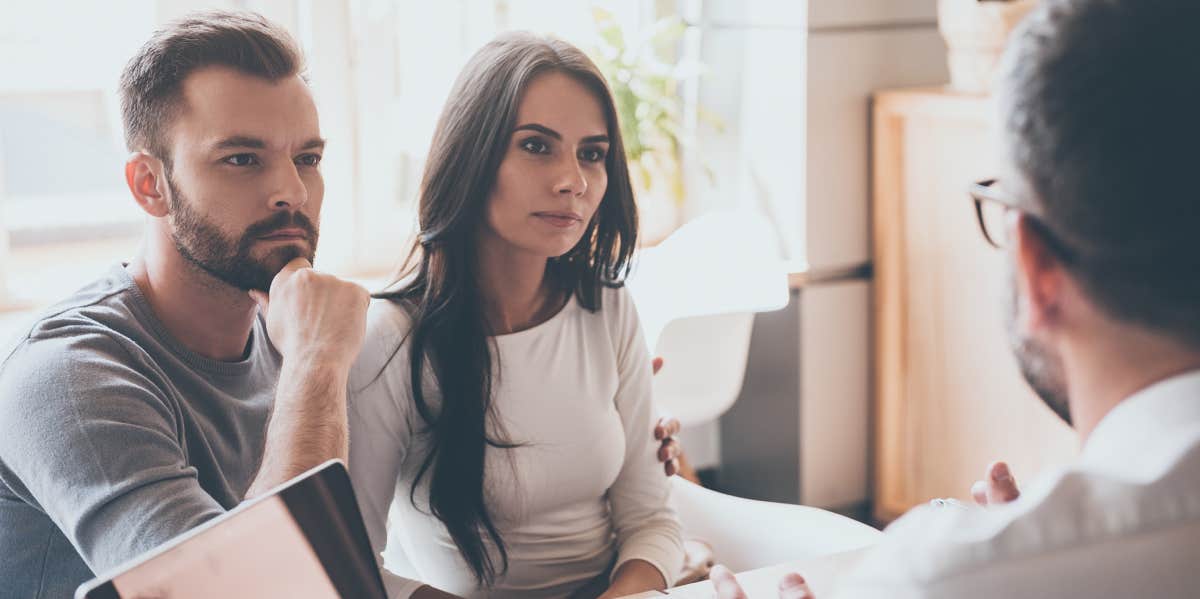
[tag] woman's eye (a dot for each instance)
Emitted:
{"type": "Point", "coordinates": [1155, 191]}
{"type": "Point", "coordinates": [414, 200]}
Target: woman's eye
{"type": "Point", "coordinates": [535, 146]}
{"type": "Point", "coordinates": [309, 160]}
{"type": "Point", "coordinates": [592, 155]}
{"type": "Point", "coordinates": [241, 160]}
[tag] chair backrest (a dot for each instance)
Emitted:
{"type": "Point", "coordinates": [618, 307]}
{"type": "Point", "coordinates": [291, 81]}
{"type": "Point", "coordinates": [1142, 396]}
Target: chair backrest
{"type": "Point", "coordinates": [706, 357]}
{"type": "Point", "coordinates": [719, 263]}
{"type": "Point", "coordinates": [696, 294]}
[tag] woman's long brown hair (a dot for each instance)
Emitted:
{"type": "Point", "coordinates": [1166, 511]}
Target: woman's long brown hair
{"type": "Point", "coordinates": [439, 286]}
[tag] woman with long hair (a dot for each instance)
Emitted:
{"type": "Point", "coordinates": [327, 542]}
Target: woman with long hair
{"type": "Point", "coordinates": [501, 405]}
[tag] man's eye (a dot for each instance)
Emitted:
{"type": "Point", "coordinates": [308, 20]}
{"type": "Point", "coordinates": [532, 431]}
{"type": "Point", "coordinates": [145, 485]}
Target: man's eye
{"type": "Point", "coordinates": [535, 146]}
{"type": "Point", "coordinates": [309, 160]}
{"type": "Point", "coordinates": [241, 160]}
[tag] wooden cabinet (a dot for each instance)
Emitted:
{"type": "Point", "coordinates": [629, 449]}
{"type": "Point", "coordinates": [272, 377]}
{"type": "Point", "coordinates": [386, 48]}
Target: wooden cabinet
{"type": "Point", "coordinates": [949, 397]}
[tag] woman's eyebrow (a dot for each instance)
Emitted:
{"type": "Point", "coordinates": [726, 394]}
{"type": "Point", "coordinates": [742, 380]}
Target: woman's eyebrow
{"type": "Point", "coordinates": [540, 129]}
{"type": "Point", "coordinates": [556, 135]}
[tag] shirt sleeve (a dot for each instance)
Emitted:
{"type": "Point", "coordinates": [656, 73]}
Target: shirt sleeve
{"type": "Point", "coordinates": [379, 433]}
{"type": "Point", "coordinates": [647, 527]}
{"type": "Point", "coordinates": [884, 570]}
{"type": "Point", "coordinates": [931, 552]}
{"type": "Point", "coordinates": [93, 442]}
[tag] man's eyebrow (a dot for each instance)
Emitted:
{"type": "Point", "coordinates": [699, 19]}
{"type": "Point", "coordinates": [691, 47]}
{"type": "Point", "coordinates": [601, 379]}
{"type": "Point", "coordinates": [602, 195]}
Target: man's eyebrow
{"type": "Point", "coordinates": [246, 141]}
{"type": "Point", "coordinates": [239, 141]}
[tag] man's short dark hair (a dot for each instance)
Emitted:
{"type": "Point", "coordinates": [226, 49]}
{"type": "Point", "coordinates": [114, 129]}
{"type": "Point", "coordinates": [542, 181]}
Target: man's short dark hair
{"type": "Point", "coordinates": [151, 84]}
{"type": "Point", "coordinates": [1101, 100]}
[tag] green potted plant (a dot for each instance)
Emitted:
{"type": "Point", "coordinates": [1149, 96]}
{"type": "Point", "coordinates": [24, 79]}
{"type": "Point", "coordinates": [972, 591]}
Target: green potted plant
{"type": "Point", "coordinates": [645, 78]}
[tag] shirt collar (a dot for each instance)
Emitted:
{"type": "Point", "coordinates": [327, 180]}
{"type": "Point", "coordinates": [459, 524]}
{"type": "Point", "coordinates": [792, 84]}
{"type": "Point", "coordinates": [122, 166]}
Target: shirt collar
{"type": "Point", "coordinates": [1132, 438]}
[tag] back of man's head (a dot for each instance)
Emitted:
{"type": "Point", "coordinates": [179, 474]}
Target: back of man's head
{"type": "Point", "coordinates": [151, 84]}
{"type": "Point", "coordinates": [1101, 100]}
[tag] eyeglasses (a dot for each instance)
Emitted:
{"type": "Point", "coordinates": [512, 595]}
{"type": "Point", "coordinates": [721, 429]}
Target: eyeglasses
{"type": "Point", "coordinates": [990, 208]}
{"type": "Point", "coordinates": [992, 205]}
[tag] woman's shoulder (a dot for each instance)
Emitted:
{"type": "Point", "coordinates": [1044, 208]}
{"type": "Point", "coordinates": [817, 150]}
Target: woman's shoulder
{"type": "Point", "coordinates": [615, 292]}
{"type": "Point", "coordinates": [617, 307]}
{"type": "Point", "coordinates": [617, 316]}
{"type": "Point", "coordinates": [388, 313]}
{"type": "Point", "coordinates": [383, 348]}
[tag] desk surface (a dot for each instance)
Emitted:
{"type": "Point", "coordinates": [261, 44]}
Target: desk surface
{"type": "Point", "coordinates": [822, 574]}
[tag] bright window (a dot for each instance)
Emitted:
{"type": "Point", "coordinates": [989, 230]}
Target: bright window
{"type": "Point", "coordinates": [381, 71]}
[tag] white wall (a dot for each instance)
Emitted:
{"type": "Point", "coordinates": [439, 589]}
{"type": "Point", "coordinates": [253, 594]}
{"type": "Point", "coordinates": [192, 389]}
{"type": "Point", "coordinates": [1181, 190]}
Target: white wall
{"type": "Point", "coordinates": [834, 415]}
{"type": "Point", "coordinates": [799, 144]}
{"type": "Point", "coordinates": [792, 81]}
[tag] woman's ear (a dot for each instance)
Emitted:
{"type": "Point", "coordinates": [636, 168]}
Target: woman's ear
{"type": "Point", "coordinates": [146, 177]}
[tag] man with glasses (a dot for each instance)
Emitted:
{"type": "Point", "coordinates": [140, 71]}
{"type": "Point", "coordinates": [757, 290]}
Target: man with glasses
{"type": "Point", "coordinates": [1096, 209]}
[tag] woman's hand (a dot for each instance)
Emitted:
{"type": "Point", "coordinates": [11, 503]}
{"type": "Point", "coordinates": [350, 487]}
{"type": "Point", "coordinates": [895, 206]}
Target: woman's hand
{"type": "Point", "coordinates": [633, 577]}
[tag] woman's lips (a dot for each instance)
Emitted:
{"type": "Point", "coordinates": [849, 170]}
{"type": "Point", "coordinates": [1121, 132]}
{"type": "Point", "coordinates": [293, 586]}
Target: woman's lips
{"type": "Point", "coordinates": [562, 220]}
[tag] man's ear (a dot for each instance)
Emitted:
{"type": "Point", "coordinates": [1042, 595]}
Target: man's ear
{"type": "Point", "coordinates": [146, 177]}
{"type": "Point", "coordinates": [1041, 279]}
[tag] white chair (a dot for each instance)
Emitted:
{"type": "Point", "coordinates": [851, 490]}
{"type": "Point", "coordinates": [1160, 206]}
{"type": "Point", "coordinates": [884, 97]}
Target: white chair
{"type": "Point", "coordinates": [697, 293]}
{"type": "Point", "coordinates": [746, 534]}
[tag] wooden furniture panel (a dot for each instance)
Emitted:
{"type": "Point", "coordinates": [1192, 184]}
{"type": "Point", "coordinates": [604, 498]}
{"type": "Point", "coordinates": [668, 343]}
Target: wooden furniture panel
{"type": "Point", "coordinates": [949, 397]}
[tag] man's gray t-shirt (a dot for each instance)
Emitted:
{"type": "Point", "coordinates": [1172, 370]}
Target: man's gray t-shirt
{"type": "Point", "coordinates": [114, 437]}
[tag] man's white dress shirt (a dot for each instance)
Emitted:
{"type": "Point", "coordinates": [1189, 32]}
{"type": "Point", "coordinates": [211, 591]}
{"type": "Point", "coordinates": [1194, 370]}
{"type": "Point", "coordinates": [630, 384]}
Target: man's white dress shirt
{"type": "Point", "coordinates": [1124, 521]}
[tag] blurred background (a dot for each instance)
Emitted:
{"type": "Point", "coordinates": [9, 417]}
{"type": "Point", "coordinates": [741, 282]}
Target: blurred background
{"type": "Point", "coordinates": [810, 273]}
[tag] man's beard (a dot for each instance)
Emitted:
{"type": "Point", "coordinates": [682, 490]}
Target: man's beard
{"type": "Point", "coordinates": [202, 244]}
{"type": "Point", "coordinates": [1041, 366]}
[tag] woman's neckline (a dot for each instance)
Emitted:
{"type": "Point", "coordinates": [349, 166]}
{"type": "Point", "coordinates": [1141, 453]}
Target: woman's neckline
{"type": "Point", "coordinates": [557, 315]}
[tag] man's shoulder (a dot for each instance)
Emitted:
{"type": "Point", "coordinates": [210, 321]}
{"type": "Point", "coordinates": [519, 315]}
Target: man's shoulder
{"type": "Point", "coordinates": [75, 370]}
{"type": "Point", "coordinates": [106, 304]}
{"type": "Point", "coordinates": [86, 335]}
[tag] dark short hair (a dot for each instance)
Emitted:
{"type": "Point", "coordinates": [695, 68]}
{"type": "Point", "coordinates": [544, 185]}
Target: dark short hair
{"type": "Point", "coordinates": [152, 80]}
{"type": "Point", "coordinates": [1100, 101]}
